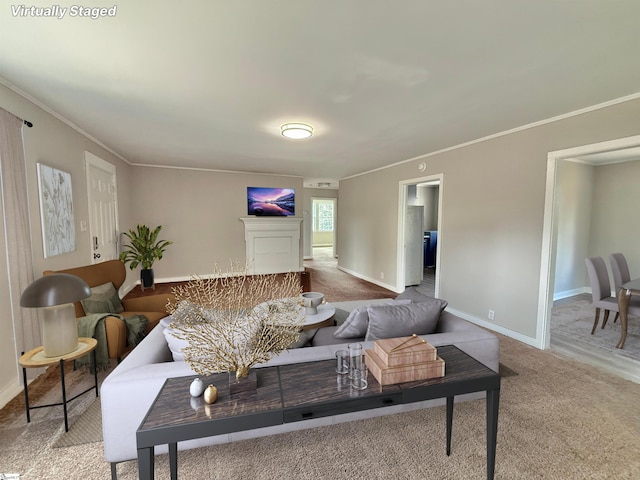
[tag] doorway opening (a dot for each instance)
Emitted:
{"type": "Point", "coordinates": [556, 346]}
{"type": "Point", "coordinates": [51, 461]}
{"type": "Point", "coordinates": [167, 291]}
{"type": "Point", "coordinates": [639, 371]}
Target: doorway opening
{"type": "Point", "coordinates": [323, 229]}
{"type": "Point", "coordinates": [419, 220]}
{"type": "Point", "coordinates": [575, 200]}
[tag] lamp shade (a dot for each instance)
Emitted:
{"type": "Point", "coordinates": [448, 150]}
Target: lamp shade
{"type": "Point", "coordinates": [55, 289]}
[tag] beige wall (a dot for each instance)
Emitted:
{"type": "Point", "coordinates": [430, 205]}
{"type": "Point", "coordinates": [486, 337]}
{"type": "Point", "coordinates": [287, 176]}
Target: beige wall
{"type": "Point", "coordinates": [614, 226]}
{"type": "Point", "coordinates": [573, 222]}
{"type": "Point", "coordinates": [429, 196]}
{"type": "Point", "coordinates": [54, 143]}
{"type": "Point", "coordinates": [200, 212]}
{"type": "Point", "coordinates": [492, 215]}
{"type": "Point", "coordinates": [594, 208]}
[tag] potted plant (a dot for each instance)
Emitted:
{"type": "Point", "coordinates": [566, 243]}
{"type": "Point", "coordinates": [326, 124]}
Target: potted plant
{"type": "Point", "coordinates": [144, 249]}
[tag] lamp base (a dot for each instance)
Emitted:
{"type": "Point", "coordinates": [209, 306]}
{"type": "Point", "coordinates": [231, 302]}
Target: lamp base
{"type": "Point", "coordinates": [59, 330]}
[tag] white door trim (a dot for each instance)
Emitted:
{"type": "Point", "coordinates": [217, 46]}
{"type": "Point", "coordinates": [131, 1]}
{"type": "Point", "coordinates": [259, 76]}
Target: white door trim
{"type": "Point", "coordinates": [549, 230]}
{"type": "Point", "coordinates": [402, 206]}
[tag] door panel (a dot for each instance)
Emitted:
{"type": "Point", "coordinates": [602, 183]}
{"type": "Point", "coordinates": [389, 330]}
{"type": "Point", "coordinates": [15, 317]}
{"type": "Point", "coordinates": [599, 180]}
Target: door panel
{"type": "Point", "coordinates": [103, 208]}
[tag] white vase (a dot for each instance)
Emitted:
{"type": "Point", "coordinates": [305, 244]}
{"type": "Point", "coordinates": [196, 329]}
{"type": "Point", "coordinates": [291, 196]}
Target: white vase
{"type": "Point", "coordinates": [311, 301]}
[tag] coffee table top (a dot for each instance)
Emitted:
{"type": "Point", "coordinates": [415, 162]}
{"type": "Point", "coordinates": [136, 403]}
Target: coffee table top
{"type": "Point", "coordinates": [288, 393]}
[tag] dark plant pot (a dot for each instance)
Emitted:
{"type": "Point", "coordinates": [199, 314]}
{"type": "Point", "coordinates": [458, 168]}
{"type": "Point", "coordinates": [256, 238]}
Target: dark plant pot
{"type": "Point", "coordinates": [146, 278]}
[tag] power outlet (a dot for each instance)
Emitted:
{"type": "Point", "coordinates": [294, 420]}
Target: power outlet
{"type": "Point", "coordinates": [491, 315]}
{"type": "Point", "coordinates": [381, 275]}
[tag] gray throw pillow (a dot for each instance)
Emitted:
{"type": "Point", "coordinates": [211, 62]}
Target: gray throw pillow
{"type": "Point", "coordinates": [187, 311]}
{"type": "Point", "coordinates": [404, 320]}
{"type": "Point", "coordinates": [104, 299]}
{"type": "Point", "coordinates": [340, 316]}
{"type": "Point", "coordinates": [355, 326]}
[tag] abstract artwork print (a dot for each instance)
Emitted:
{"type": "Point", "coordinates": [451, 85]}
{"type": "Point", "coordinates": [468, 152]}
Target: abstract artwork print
{"type": "Point", "coordinates": [56, 211]}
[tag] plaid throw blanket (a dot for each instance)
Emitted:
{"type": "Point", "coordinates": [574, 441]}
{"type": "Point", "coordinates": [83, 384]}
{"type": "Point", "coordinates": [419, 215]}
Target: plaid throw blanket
{"type": "Point", "coordinates": [92, 326]}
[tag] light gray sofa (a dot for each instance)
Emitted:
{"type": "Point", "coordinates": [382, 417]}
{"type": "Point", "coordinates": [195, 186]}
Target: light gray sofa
{"type": "Point", "coordinates": [128, 391]}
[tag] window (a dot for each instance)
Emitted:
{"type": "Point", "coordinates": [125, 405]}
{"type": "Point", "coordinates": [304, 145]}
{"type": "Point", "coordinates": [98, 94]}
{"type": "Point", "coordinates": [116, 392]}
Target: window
{"type": "Point", "coordinates": [323, 215]}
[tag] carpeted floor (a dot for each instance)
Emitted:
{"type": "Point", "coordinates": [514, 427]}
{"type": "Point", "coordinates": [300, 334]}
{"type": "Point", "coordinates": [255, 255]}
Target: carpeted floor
{"type": "Point", "coordinates": [559, 419]}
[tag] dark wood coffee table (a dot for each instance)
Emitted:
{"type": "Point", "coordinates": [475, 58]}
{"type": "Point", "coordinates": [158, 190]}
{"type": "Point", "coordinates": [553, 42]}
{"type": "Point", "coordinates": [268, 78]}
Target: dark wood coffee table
{"type": "Point", "coordinates": [291, 393]}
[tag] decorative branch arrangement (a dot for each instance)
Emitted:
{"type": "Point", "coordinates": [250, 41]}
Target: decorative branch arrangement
{"type": "Point", "coordinates": [233, 321]}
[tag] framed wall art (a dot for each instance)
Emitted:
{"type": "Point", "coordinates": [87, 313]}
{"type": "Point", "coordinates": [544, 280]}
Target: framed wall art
{"type": "Point", "coordinates": [56, 211]}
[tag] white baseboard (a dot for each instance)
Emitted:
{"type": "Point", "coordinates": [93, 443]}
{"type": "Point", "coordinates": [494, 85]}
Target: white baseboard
{"type": "Point", "coordinates": [570, 293]}
{"type": "Point", "coordinates": [9, 392]}
{"type": "Point", "coordinates": [370, 280]}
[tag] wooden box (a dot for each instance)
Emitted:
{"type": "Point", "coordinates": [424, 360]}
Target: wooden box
{"type": "Point", "coordinates": [405, 350]}
{"type": "Point", "coordinates": [389, 375]}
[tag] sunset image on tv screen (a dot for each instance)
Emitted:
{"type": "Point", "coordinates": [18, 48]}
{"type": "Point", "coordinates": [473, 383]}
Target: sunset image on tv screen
{"type": "Point", "coordinates": [264, 201]}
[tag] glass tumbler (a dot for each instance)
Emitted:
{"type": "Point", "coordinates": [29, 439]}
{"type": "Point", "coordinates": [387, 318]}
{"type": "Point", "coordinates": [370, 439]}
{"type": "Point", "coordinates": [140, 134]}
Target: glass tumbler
{"type": "Point", "coordinates": [342, 362]}
{"type": "Point", "coordinates": [355, 357]}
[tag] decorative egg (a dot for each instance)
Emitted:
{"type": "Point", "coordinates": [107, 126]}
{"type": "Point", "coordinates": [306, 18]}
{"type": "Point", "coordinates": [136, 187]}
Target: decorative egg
{"type": "Point", "coordinates": [211, 394]}
{"type": "Point", "coordinates": [196, 388]}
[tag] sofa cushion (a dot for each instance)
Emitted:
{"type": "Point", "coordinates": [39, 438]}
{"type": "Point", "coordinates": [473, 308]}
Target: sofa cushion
{"type": "Point", "coordinates": [403, 320]}
{"type": "Point", "coordinates": [414, 295]}
{"type": "Point", "coordinates": [104, 299]}
{"type": "Point", "coordinates": [305, 338]}
{"type": "Point", "coordinates": [324, 337]}
{"type": "Point", "coordinates": [356, 323]}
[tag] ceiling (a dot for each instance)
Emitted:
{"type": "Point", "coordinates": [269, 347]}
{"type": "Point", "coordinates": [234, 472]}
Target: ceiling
{"type": "Point", "coordinates": [207, 84]}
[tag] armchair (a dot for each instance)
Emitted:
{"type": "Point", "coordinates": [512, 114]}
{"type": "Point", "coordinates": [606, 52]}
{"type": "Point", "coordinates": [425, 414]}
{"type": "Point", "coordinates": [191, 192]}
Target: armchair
{"type": "Point", "coordinates": [151, 306]}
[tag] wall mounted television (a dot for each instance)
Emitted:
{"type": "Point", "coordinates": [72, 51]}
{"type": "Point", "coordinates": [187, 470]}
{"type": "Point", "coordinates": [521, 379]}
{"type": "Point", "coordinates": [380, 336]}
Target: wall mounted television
{"type": "Point", "coordinates": [271, 202]}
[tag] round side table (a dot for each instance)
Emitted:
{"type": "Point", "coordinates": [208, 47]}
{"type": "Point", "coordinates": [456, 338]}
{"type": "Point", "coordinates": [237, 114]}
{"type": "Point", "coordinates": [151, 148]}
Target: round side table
{"type": "Point", "coordinates": [36, 359]}
{"type": "Point", "coordinates": [324, 317]}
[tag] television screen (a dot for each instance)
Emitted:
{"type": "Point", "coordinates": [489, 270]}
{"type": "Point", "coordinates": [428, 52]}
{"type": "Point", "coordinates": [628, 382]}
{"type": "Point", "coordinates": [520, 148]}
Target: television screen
{"type": "Point", "coordinates": [264, 201]}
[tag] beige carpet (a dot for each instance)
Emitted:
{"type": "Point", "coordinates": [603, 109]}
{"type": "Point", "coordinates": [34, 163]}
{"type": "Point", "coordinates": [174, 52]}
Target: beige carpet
{"type": "Point", "coordinates": [559, 419]}
{"type": "Point", "coordinates": [86, 429]}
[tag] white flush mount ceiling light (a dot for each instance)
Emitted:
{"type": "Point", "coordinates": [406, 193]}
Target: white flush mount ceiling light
{"type": "Point", "coordinates": [296, 131]}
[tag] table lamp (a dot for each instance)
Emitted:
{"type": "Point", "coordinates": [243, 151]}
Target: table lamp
{"type": "Point", "coordinates": [54, 295]}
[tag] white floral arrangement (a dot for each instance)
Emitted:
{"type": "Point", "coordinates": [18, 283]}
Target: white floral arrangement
{"type": "Point", "coordinates": [232, 321]}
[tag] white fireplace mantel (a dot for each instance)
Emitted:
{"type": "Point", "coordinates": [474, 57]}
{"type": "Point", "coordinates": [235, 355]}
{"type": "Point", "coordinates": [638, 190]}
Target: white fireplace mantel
{"type": "Point", "coordinates": [273, 244]}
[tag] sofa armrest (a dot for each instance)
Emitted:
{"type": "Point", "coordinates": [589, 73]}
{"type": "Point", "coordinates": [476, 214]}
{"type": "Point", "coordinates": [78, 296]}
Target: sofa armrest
{"type": "Point", "coordinates": [449, 322]}
{"type": "Point", "coordinates": [148, 303]}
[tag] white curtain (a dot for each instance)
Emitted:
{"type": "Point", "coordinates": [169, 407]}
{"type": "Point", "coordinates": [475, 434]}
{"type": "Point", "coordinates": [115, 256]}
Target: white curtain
{"type": "Point", "coordinates": [17, 230]}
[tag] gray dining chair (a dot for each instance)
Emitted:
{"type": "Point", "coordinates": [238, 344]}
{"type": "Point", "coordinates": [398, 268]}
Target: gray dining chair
{"type": "Point", "coordinates": [620, 270]}
{"type": "Point", "coordinates": [600, 290]}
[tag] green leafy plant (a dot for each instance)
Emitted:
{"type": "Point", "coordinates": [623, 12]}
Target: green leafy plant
{"type": "Point", "coordinates": [144, 248]}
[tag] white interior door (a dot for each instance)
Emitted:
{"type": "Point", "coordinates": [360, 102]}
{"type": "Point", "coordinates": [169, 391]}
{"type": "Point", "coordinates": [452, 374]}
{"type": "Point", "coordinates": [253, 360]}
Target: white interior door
{"type": "Point", "coordinates": [103, 208]}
